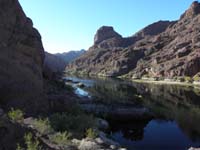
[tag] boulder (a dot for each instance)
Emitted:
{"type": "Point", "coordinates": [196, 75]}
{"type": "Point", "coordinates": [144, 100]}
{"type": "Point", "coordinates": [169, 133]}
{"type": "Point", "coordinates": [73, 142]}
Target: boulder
{"type": "Point", "coordinates": [102, 124]}
{"type": "Point", "coordinates": [192, 148]}
{"type": "Point", "coordinates": [87, 144]}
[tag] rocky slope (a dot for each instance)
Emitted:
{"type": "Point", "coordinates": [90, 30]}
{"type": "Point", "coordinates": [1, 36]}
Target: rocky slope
{"type": "Point", "coordinates": [162, 49]}
{"type": "Point", "coordinates": [21, 57]}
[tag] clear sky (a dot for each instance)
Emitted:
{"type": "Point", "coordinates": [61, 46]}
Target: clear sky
{"type": "Point", "coordinates": [71, 24]}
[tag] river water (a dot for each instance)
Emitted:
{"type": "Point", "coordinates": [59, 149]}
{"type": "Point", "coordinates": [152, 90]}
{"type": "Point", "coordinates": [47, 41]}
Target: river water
{"type": "Point", "coordinates": [176, 109]}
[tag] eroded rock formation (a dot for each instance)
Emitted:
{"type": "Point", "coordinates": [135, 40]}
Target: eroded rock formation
{"type": "Point", "coordinates": [162, 49]}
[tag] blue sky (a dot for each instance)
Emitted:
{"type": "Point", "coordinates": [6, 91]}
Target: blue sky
{"type": "Point", "coordinates": [71, 24]}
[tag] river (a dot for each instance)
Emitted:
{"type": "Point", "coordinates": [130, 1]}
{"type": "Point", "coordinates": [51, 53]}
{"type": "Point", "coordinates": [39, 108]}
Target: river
{"type": "Point", "coordinates": [176, 109]}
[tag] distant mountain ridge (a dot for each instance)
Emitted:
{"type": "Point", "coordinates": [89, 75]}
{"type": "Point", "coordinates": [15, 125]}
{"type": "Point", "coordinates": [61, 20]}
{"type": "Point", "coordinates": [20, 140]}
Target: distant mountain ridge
{"type": "Point", "coordinates": [68, 57]}
{"type": "Point", "coordinates": [163, 49]}
{"type": "Point", "coordinates": [57, 62]}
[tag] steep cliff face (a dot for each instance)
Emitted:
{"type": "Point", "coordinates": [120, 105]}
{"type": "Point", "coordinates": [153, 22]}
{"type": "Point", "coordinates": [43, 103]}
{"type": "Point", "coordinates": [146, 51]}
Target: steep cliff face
{"type": "Point", "coordinates": [176, 52]}
{"type": "Point", "coordinates": [114, 55]}
{"type": "Point", "coordinates": [21, 57]}
{"type": "Point", "coordinates": [162, 49]}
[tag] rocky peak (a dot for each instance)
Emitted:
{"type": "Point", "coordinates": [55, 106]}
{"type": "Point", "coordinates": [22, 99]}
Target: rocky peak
{"type": "Point", "coordinates": [193, 10]}
{"type": "Point", "coordinates": [154, 29]}
{"type": "Point", "coordinates": [104, 33]}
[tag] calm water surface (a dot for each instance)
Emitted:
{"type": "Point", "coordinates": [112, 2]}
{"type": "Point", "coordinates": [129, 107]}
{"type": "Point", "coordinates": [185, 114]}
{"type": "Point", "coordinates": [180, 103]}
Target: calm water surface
{"type": "Point", "coordinates": [176, 125]}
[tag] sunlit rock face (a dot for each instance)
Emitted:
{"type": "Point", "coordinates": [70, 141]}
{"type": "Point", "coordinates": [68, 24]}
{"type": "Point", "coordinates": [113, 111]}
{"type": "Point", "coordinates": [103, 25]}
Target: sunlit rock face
{"type": "Point", "coordinates": [104, 33]}
{"type": "Point", "coordinates": [21, 57]}
{"type": "Point", "coordinates": [162, 49]}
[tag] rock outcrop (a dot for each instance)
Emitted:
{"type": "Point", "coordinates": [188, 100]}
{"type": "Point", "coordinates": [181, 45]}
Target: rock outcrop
{"type": "Point", "coordinates": [105, 33]}
{"type": "Point", "coordinates": [162, 49]}
{"type": "Point", "coordinates": [175, 52]}
{"type": "Point", "coordinates": [114, 55]}
{"type": "Point", "coordinates": [21, 57]}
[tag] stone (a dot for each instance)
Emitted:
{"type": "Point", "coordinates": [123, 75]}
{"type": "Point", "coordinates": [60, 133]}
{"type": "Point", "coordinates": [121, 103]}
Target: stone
{"type": "Point", "coordinates": [193, 10]}
{"type": "Point", "coordinates": [88, 145]}
{"type": "Point", "coordinates": [108, 141]}
{"type": "Point", "coordinates": [102, 124]}
{"type": "Point", "coordinates": [76, 141]}
{"type": "Point", "coordinates": [192, 148]}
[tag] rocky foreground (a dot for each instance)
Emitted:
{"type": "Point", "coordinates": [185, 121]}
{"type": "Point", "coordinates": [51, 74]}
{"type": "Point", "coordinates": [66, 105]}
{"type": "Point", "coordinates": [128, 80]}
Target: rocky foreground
{"type": "Point", "coordinates": [165, 49]}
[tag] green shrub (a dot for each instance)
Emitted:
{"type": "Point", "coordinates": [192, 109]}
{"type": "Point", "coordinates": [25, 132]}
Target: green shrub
{"type": "Point", "coordinates": [196, 78]}
{"type": "Point", "coordinates": [16, 115]}
{"type": "Point", "coordinates": [91, 133]}
{"type": "Point", "coordinates": [188, 79]}
{"type": "Point", "coordinates": [74, 109]}
{"type": "Point", "coordinates": [60, 138]}
{"type": "Point", "coordinates": [43, 126]}
{"type": "Point", "coordinates": [73, 123]}
{"type": "Point", "coordinates": [146, 76]}
{"type": "Point", "coordinates": [69, 88]}
{"type": "Point", "coordinates": [30, 142]}
{"type": "Point", "coordinates": [19, 147]}
{"type": "Point", "coordinates": [180, 79]}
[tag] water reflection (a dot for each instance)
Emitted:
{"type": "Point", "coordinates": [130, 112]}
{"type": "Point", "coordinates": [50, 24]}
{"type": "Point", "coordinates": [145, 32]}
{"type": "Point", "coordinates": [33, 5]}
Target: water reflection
{"type": "Point", "coordinates": [176, 110]}
{"type": "Point", "coordinates": [181, 104]}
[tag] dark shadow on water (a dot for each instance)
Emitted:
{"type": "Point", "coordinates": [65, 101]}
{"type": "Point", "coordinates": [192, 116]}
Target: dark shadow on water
{"type": "Point", "coordinates": [176, 112]}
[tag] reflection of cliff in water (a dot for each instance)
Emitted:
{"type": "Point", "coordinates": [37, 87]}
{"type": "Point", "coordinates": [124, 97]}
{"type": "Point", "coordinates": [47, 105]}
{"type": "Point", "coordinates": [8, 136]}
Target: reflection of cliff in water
{"type": "Point", "coordinates": [181, 104]}
{"type": "Point", "coordinates": [133, 131]}
{"type": "Point", "coordinates": [113, 92]}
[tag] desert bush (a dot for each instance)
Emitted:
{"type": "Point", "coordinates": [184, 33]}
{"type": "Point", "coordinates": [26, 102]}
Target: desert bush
{"type": "Point", "coordinates": [196, 78]}
{"type": "Point", "coordinates": [73, 123]}
{"type": "Point", "coordinates": [30, 142]}
{"type": "Point", "coordinates": [74, 109]}
{"type": "Point", "coordinates": [60, 138]}
{"type": "Point", "coordinates": [180, 79]}
{"type": "Point", "coordinates": [42, 125]}
{"type": "Point", "coordinates": [146, 76]}
{"type": "Point", "coordinates": [16, 115]}
{"type": "Point", "coordinates": [91, 133]}
{"type": "Point", "coordinates": [188, 79]}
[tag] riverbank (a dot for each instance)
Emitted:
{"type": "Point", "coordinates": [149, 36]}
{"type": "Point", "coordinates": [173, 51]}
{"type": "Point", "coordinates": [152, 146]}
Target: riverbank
{"type": "Point", "coordinates": [194, 84]}
{"type": "Point", "coordinates": [162, 82]}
